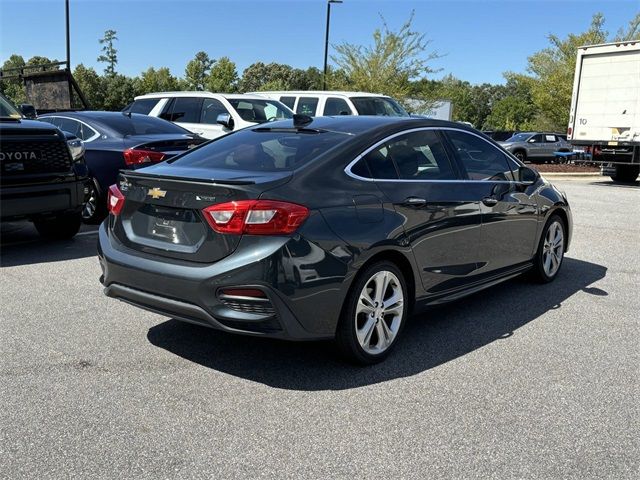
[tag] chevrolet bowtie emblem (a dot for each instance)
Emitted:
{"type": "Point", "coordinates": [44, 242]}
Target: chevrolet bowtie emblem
{"type": "Point", "coordinates": [156, 193]}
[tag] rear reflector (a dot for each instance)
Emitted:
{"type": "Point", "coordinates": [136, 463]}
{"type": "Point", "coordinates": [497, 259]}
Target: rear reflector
{"type": "Point", "coordinates": [115, 200]}
{"type": "Point", "coordinates": [133, 156]}
{"type": "Point", "coordinates": [243, 292]}
{"type": "Point", "coordinates": [256, 217]}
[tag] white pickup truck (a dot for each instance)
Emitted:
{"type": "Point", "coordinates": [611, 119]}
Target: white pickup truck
{"type": "Point", "coordinates": [605, 107]}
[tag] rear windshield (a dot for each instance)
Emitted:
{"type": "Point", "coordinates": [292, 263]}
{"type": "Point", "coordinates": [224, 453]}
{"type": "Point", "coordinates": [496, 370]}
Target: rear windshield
{"type": "Point", "coordinates": [260, 111]}
{"type": "Point", "coordinates": [379, 106]}
{"type": "Point", "coordinates": [266, 150]}
{"type": "Point", "coordinates": [139, 125]}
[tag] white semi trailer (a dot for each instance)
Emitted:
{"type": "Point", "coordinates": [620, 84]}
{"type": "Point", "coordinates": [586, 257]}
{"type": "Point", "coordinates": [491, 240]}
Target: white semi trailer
{"type": "Point", "coordinates": [605, 107]}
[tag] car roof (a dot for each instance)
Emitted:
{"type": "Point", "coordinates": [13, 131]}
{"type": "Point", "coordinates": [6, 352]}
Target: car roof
{"type": "Point", "coordinates": [356, 124]}
{"type": "Point", "coordinates": [87, 115]}
{"type": "Point", "coordinates": [200, 94]}
{"type": "Point", "coordinates": [321, 92]}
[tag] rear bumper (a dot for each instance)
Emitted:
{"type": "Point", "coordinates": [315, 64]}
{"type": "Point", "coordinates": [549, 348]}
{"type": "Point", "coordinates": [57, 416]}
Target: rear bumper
{"type": "Point", "coordinates": [189, 292]}
{"type": "Point", "coordinates": [20, 201]}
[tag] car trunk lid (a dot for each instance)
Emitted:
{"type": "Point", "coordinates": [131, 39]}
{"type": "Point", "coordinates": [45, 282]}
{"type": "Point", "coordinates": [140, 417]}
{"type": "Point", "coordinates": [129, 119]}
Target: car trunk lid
{"type": "Point", "coordinates": [162, 213]}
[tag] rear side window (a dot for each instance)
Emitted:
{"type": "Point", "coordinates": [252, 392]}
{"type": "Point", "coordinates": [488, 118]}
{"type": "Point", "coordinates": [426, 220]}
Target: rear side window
{"type": "Point", "coordinates": [261, 150]}
{"type": "Point", "coordinates": [211, 108]}
{"type": "Point", "coordinates": [481, 160]}
{"type": "Point", "coordinates": [378, 106]}
{"type": "Point", "coordinates": [186, 109]}
{"type": "Point", "coordinates": [139, 125]}
{"type": "Point", "coordinates": [412, 156]}
{"type": "Point", "coordinates": [144, 105]}
{"type": "Point", "coordinates": [288, 101]}
{"type": "Point", "coordinates": [336, 106]}
{"type": "Point", "coordinates": [307, 106]}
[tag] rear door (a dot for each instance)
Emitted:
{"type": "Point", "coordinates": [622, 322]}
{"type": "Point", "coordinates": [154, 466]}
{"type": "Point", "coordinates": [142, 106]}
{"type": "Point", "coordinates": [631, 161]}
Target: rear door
{"type": "Point", "coordinates": [509, 212]}
{"type": "Point", "coordinates": [442, 219]}
{"type": "Point", "coordinates": [536, 147]}
{"type": "Point", "coordinates": [186, 112]}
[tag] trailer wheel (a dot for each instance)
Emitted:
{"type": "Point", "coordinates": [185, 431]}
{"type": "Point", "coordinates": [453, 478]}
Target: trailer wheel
{"type": "Point", "coordinates": [625, 173]}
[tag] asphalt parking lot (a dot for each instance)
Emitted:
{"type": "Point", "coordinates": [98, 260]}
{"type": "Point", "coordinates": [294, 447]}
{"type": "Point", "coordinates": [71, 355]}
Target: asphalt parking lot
{"type": "Point", "coordinates": [522, 381]}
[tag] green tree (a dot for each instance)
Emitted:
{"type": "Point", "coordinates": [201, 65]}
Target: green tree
{"type": "Point", "coordinates": [109, 53]}
{"type": "Point", "coordinates": [159, 80]}
{"type": "Point", "coordinates": [223, 76]}
{"type": "Point", "coordinates": [13, 88]}
{"type": "Point", "coordinates": [389, 65]}
{"type": "Point", "coordinates": [632, 32]}
{"type": "Point", "coordinates": [260, 76]}
{"type": "Point", "coordinates": [196, 72]}
{"type": "Point", "coordinates": [91, 85]}
{"type": "Point", "coordinates": [119, 91]}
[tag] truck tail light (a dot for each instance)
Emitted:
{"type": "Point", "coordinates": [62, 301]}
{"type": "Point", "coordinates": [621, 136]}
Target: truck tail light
{"type": "Point", "coordinates": [134, 156]}
{"type": "Point", "coordinates": [115, 200]}
{"type": "Point", "coordinates": [569, 132]}
{"type": "Point", "coordinates": [256, 217]}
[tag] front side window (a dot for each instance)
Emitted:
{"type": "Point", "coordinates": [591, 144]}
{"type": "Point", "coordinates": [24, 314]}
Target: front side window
{"type": "Point", "coordinates": [481, 160]}
{"type": "Point", "coordinates": [413, 156]}
{"type": "Point", "coordinates": [186, 110]}
{"type": "Point", "coordinates": [536, 139]}
{"type": "Point", "coordinates": [211, 108]}
{"type": "Point", "coordinates": [307, 106]}
{"type": "Point", "coordinates": [336, 106]}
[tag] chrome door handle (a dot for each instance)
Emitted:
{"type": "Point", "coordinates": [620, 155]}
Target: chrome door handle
{"type": "Point", "coordinates": [490, 201]}
{"type": "Point", "coordinates": [414, 201]}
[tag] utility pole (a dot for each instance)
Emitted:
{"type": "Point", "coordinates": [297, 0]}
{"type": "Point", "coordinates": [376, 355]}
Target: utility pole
{"type": "Point", "coordinates": [66, 8]}
{"type": "Point", "coordinates": [326, 42]}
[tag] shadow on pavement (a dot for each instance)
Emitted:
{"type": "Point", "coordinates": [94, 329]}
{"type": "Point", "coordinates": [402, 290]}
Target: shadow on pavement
{"type": "Point", "coordinates": [611, 183]}
{"type": "Point", "coordinates": [430, 339]}
{"type": "Point", "coordinates": [20, 244]}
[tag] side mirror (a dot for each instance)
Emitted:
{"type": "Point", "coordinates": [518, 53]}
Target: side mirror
{"type": "Point", "coordinates": [528, 176]}
{"type": "Point", "coordinates": [531, 140]}
{"type": "Point", "coordinates": [28, 110]}
{"type": "Point", "coordinates": [225, 120]}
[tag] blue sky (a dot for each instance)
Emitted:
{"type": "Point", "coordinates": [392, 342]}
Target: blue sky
{"type": "Point", "coordinates": [479, 39]}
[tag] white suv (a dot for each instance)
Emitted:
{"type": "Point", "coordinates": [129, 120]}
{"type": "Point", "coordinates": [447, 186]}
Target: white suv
{"type": "Point", "coordinates": [210, 115]}
{"type": "Point", "coordinates": [327, 103]}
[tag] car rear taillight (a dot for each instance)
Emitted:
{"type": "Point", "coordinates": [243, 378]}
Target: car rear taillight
{"type": "Point", "coordinates": [115, 200]}
{"type": "Point", "coordinates": [569, 131]}
{"type": "Point", "coordinates": [256, 217]}
{"type": "Point", "coordinates": [134, 156]}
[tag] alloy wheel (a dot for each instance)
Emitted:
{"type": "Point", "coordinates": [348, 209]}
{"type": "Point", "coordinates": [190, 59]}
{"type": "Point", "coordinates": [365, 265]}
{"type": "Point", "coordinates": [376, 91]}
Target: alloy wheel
{"type": "Point", "coordinates": [553, 249]}
{"type": "Point", "coordinates": [379, 312]}
{"type": "Point", "coordinates": [91, 205]}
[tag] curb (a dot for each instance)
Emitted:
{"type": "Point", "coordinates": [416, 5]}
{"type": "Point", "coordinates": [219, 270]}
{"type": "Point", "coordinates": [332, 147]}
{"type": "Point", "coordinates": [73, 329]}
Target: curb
{"type": "Point", "coordinates": [570, 174]}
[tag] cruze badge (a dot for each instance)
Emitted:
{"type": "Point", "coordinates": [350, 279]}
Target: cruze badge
{"type": "Point", "coordinates": [156, 193]}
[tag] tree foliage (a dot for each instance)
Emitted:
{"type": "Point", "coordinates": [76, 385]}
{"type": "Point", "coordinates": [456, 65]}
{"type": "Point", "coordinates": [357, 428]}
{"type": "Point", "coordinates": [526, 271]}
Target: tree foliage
{"type": "Point", "coordinates": [109, 53]}
{"type": "Point", "coordinates": [389, 65]}
{"type": "Point", "coordinates": [196, 73]}
{"type": "Point", "coordinates": [223, 76]}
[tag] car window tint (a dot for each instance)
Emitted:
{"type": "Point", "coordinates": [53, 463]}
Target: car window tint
{"type": "Point", "coordinates": [288, 101]}
{"type": "Point", "coordinates": [336, 106]}
{"type": "Point", "coordinates": [52, 120]}
{"type": "Point", "coordinates": [211, 108]}
{"type": "Point", "coordinates": [71, 126]}
{"type": "Point", "coordinates": [420, 156]}
{"type": "Point", "coordinates": [186, 109]}
{"type": "Point", "coordinates": [137, 124]}
{"type": "Point", "coordinates": [481, 160]}
{"type": "Point", "coordinates": [166, 110]}
{"type": "Point", "coordinates": [144, 105]}
{"type": "Point", "coordinates": [536, 139]}
{"type": "Point", "coordinates": [361, 169]}
{"type": "Point", "coordinates": [259, 111]}
{"type": "Point", "coordinates": [380, 164]}
{"type": "Point", "coordinates": [307, 106]}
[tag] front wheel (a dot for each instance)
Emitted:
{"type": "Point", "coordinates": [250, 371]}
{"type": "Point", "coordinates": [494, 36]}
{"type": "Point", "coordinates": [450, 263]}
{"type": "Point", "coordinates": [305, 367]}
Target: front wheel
{"type": "Point", "coordinates": [95, 208]}
{"type": "Point", "coordinates": [548, 259]}
{"type": "Point", "coordinates": [520, 155]}
{"type": "Point", "coordinates": [61, 227]}
{"type": "Point", "coordinates": [374, 315]}
{"type": "Point", "coordinates": [626, 173]}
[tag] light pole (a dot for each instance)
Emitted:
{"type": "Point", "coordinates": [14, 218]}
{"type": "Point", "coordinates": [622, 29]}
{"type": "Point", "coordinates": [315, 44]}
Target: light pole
{"type": "Point", "coordinates": [326, 42]}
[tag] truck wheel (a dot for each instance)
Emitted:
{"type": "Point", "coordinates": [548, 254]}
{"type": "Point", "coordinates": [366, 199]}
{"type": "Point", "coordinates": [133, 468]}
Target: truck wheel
{"type": "Point", "coordinates": [374, 314]}
{"type": "Point", "coordinates": [61, 227]}
{"type": "Point", "coordinates": [626, 173]}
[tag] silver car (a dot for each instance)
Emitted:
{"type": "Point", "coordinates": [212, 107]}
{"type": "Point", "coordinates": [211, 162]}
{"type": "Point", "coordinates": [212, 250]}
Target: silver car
{"type": "Point", "coordinates": [535, 146]}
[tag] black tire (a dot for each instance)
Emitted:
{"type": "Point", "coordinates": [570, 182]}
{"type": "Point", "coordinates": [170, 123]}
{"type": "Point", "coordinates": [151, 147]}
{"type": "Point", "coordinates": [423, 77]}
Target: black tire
{"type": "Point", "coordinates": [346, 333]}
{"type": "Point", "coordinates": [61, 227]}
{"type": "Point", "coordinates": [539, 273]}
{"type": "Point", "coordinates": [95, 209]}
{"type": "Point", "coordinates": [520, 155]}
{"type": "Point", "coordinates": [626, 173]}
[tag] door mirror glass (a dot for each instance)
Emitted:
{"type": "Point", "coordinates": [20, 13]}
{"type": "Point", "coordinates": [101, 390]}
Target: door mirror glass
{"type": "Point", "coordinates": [225, 120]}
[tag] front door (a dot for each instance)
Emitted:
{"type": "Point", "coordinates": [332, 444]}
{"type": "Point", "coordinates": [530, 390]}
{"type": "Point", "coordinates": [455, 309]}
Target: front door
{"type": "Point", "coordinates": [509, 211]}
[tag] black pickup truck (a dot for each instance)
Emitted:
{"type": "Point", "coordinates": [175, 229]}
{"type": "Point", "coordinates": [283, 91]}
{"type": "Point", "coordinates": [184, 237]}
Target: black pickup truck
{"type": "Point", "coordinates": [43, 177]}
